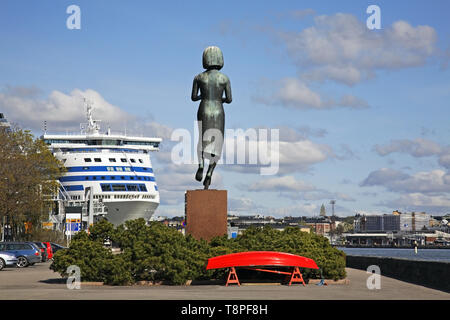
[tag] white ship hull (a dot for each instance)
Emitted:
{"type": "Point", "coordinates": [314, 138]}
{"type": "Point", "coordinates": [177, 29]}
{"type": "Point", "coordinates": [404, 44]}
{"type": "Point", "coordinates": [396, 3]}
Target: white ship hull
{"type": "Point", "coordinates": [119, 212]}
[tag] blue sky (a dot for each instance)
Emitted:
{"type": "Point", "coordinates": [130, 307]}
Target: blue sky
{"type": "Point", "coordinates": [373, 104]}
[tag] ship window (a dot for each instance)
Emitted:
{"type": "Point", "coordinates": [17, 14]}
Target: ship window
{"type": "Point", "coordinates": [113, 178]}
{"type": "Point", "coordinates": [86, 178]}
{"type": "Point", "coordinates": [119, 187]}
{"type": "Point", "coordinates": [123, 159]}
{"type": "Point", "coordinates": [122, 177]}
{"type": "Point", "coordinates": [139, 178]}
{"type": "Point", "coordinates": [142, 187]}
{"type": "Point", "coordinates": [85, 168]}
{"type": "Point", "coordinates": [112, 160]}
{"type": "Point", "coordinates": [145, 169]}
{"type": "Point", "coordinates": [94, 178]}
{"type": "Point", "coordinates": [119, 169]}
{"type": "Point", "coordinates": [97, 160]}
{"type": "Point", "coordinates": [132, 187]}
{"type": "Point", "coordinates": [131, 178]}
{"type": "Point", "coordinates": [140, 160]}
{"type": "Point", "coordinates": [87, 160]}
{"type": "Point", "coordinates": [106, 187]}
{"type": "Point", "coordinates": [132, 160]}
{"type": "Point", "coordinates": [103, 178]}
{"type": "Point", "coordinates": [127, 169]}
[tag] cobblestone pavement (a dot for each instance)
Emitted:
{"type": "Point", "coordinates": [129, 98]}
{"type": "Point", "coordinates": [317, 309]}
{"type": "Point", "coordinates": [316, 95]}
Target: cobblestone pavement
{"type": "Point", "coordinates": [39, 282]}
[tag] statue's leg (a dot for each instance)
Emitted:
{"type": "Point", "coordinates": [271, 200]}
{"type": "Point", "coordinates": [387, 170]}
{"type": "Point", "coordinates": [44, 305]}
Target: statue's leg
{"type": "Point", "coordinates": [208, 177]}
{"type": "Point", "coordinates": [201, 163]}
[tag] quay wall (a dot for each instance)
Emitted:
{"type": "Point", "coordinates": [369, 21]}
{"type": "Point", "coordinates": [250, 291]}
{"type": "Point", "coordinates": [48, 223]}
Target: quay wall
{"type": "Point", "coordinates": [432, 274]}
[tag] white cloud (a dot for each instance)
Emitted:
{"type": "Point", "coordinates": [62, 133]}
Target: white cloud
{"type": "Point", "coordinates": [417, 148]}
{"type": "Point", "coordinates": [303, 209]}
{"type": "Point", "coordinates": [297, 94]}
{"type": "Point", "coordinates": [64, 112]}
{"type": "Point", "coordinates": [173, 180]}
{"type": "Point", "coordinates": [436, 181]}
{"type": "Point", "coordinates": [290, 187]}
{"type": "Point", "coordinates": [434, 204]}
{"type": "Point", "coordinates": [280, 184]}
{"type": "Point", "coordinates": [293, 93]}
{"type": "Point", "coordinates": [300, 155]}
{"type": "Point", "coordinates": [297, 155]}
{"type": "Point", "coordinates": [242, 205]}
{"type": "Point", "coordinates": [341, 48]}
{"type": "Point", "coordinates": [444, 160]}
{"type": "Point", "coordinates": [61, 111]}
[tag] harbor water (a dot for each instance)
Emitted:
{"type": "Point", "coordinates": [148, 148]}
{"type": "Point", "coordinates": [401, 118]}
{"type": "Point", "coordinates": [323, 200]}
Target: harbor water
{"type": "Point", "coordinates": [442, 255]}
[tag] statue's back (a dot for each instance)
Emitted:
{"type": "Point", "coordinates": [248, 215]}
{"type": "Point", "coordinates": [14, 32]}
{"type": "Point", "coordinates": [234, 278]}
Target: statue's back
{"type": "Point", "coordinates": [212, 84]}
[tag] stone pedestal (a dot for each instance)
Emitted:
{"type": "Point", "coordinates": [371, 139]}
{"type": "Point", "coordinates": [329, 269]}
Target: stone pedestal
{"type": "Point", "coordinates": [206, 213]}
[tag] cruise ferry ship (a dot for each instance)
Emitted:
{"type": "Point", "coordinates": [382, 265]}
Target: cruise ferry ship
{"type": "Point", "coordinates": [116, 168]}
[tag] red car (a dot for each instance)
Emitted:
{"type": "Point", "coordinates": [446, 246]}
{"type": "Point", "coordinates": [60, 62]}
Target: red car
{"type": "Point", "coordinates": [49, 250]}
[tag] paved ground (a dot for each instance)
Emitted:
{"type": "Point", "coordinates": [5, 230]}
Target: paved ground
{"type": "Point", "coordinates": [38, 282]}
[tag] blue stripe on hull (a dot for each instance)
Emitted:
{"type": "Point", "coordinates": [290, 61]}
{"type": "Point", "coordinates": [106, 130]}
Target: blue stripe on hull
{"type": "Point", "coordinates": [106, 178]}
{"type": "Point", "coordinates": [74, 188]}
{"type": "Point", "coordinates": [105, 168]}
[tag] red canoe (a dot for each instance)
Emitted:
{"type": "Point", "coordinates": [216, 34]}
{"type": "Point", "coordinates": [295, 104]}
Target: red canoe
{"type": "Point", "coordinates": [260, 258]}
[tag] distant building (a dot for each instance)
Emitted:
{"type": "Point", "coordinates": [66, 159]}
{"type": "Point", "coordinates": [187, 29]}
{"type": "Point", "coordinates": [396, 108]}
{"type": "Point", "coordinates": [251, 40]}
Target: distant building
{"type": "Point", "coordinates": [393, 222]}
{"type": "Point", "coordinates": [3, 122]}
{"type": "Point", "coordinates": [244, 222]}
{"type": "Point", "coordinates": [322, 228]}
{"type": "Point", "coordinates": [177, 223]}
{"type": "Point", "coordinates": [414, 221]}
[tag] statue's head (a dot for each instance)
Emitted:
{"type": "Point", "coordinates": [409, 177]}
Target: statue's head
{"type": "Point", "coordinates": [212, 58]}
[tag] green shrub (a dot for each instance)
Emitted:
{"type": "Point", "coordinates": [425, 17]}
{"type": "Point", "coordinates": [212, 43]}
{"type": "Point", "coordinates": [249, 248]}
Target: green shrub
{"type": "Point", "coordinates": [96, 263]}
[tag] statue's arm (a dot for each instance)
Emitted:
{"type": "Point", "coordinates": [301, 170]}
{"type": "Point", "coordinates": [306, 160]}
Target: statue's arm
{"type": "Point", "coordinates": [228, 98]}
{"type": "Point", "coordinates": [195, 96]}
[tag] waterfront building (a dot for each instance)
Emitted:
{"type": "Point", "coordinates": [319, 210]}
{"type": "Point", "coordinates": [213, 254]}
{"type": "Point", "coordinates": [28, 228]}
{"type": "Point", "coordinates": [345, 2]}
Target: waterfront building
{"type": "Point", "coordinates": [392, 222]}
{"type": "Point", "coordinates": [414, 221]}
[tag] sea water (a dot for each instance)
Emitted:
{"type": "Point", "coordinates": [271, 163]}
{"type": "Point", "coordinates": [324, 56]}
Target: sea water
{"type": "Point", "coordinates": [422, 254]}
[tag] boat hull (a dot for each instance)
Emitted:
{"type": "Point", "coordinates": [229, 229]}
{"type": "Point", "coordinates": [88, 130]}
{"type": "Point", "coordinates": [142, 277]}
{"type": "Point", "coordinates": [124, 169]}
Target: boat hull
{"type": "Point", "coordinates": [260, 258]}
{"type": "Point", "coordinates": [121, 211]}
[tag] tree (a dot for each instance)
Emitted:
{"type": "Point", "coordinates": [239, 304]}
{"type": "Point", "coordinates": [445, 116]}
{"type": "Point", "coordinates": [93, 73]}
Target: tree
{"type": "Point", "coordinates": [28, 174]}
{"type": "Point", "coordinates": [322, 211]}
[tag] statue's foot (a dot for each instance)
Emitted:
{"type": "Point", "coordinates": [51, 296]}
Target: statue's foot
{"type": "Point", "coordinates": [207, 182]}
{"type": "Point", "coordinates": [199, 174]}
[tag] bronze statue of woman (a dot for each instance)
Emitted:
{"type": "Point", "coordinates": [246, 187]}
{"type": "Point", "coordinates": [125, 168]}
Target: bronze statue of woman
{"type": "Point", "coordinates": [210, 116]}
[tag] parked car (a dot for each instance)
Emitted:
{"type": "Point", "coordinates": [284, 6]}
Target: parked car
{"type": "Point", "coordinates": [7, 259]}
{"type": "Point", "coordinates": [43, 249]}
{"type": "Point", "coordinates": [56, 247]}
{"type": "Point", "coordinates": [27, 252]}
{"type": "Point", "coordinates": [49, 250]}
